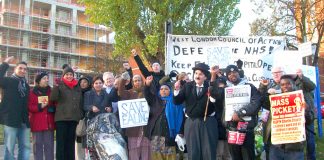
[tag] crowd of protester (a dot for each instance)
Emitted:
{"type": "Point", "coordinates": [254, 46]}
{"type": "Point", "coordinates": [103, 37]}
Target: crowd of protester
{"type": "Point", "coordinates": [186, 116]}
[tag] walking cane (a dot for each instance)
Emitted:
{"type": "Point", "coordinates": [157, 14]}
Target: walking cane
{"type": "Point", "coordinates": [206, 105]}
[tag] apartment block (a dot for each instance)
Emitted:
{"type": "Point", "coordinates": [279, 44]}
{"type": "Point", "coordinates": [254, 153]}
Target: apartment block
{"type": "Point", "coordinates": [49, 33]}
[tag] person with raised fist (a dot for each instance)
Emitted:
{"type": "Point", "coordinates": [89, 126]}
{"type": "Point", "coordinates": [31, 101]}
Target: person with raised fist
{"type": "Point", "coordinates": [14, 110]}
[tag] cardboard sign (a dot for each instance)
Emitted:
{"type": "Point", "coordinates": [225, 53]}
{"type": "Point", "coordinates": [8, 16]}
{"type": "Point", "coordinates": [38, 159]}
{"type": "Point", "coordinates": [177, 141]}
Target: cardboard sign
{"type": "Point", "coordinates": [290, 61]}
{"type": "Point", "coordinates": [288, 118]}
{"type": "Point", "coordinates": [133, 113]}
{"type": "Point", "coordinates": [305, 49]}
{"type": "Point", "coordinates": [43, 99]}
{"type": "Point", "coordinates": [235, 98]}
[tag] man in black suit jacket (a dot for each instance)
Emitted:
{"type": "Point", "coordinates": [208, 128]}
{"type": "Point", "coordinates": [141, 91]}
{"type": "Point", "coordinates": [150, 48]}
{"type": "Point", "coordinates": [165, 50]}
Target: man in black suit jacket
{"type": "Point", "coordinates": [201, 136]}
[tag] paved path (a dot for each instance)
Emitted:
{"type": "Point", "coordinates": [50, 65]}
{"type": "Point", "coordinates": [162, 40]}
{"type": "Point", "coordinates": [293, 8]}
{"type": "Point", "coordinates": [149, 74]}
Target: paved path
{"type": "Point", "coordinates": [16, 151]}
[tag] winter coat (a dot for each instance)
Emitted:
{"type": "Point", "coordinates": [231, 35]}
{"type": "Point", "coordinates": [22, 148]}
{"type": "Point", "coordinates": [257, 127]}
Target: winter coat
{"type": "Point", "coordinates": [252, 109]}
{"type": "Point", "coordinates": [68, 102]}
{"type": "Point", "coordinates": [156, 108]}
{"type": "Point", "coordinates": [125, 94]}
{"type": "Point", "coordinates": [195, 105]}
{"type": "Point", "coordinates": [298, 146]}
{"type": "Point", "coordinates": [41, 119]}
{"type": "Point", "coordinates": [13, 107]}
{"type": "Point", "coordinates": [307, 86]}
{"type": "Point", "coordinates": [156, 76]}
{"type": "Point", "coordinates": [92, 99]}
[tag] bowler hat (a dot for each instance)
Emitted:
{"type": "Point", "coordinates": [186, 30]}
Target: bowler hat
{"type": "Point", "coordinates": [202, 67]}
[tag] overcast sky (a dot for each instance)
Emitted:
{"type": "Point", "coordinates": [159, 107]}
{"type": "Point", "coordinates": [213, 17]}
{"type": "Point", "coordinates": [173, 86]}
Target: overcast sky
{"type": "Point", "coordinates": [241, 26]}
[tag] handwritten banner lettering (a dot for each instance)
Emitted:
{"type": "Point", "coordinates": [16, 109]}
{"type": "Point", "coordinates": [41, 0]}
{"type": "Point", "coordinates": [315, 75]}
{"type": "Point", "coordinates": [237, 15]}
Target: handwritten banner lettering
{"type": "Point", "coordinates": [133, 113]}
{"type": "Point", "coordinates": [184, 51]}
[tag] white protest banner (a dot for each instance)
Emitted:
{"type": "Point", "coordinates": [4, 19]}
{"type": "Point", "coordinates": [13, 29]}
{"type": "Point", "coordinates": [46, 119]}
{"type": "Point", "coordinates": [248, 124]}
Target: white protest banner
{"type": "Point", "coordinates": [305, 49]}
{"type": "Point", "coordinates": [288, 120]}
{"type": "Point", "coordinates": [290, 61]}
{"type": "Point", "coordinates": [235, 98]}
{"type": "Point", "coordinates": [184, 51]}
{"type": "Point", "coordinates": [133, 113]}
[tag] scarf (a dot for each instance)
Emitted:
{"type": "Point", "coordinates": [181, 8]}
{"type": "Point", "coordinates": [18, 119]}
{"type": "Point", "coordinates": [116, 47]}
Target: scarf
{"type": "Point", "coordinates": [41, 91]}
{"type": "Point", "coordinates": [139, 91]}
{"type": "Point", "coordinates": [70, 84]}
{"type": "Point", "coordinates": [174, 115]}
{"type": "Point", "coordinates": [22, 89]}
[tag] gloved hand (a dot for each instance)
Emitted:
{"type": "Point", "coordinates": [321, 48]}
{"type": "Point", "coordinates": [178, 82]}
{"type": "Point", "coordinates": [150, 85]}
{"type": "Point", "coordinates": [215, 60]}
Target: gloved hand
{"type": "Point", "coordinates": [125, 76]}
{"type": "Point", "coordinates": [181, 142]}
{"type": "Point", "coordinates": [172, 74]}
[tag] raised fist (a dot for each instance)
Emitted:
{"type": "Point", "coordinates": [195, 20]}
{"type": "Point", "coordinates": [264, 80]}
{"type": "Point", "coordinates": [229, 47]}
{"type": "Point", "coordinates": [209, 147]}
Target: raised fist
{"type": "Point", "coordinates": [9, 59]}
{"type": "Point", "coordinates": [134, 52]}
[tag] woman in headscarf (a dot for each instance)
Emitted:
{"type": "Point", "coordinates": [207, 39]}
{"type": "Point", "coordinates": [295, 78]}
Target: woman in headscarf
{"type": "Point", "coordinates": [41, 116]}
{"type": "Point", "coordinates": [80, 145]}
{"type": "Point", "coordinates": [164, 122]}
{"type": "Point", "coordinates": [139, 146]}
{"type": "Point", "coordinates": [68, 96]}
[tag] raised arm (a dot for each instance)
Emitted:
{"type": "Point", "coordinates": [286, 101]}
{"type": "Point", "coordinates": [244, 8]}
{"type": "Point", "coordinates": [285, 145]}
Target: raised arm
{"type": "Point", "coordinates": [140, 64]}
{"type": "Point", "coordinates": [179, 93]}
{"type": "Point", "coordinates": [122, 92]}
{"type": "Point", "coordinates": [149, 90]}
{"type": "Point", "coordinates": [3, 69]}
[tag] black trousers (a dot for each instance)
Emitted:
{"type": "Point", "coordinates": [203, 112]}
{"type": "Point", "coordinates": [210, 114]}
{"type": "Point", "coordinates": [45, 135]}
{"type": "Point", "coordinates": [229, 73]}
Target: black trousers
{"type": "Point", "coordinates": [245, 151]}
{"type": "Point", "coordinates": [65, 140]}
{"type": "Point", "coordinates": [201, 138]}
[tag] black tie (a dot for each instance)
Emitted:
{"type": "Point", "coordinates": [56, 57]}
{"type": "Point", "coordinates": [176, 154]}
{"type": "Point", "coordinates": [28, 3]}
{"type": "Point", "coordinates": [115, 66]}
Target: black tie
{"type": "Point", "coordinates": [199, 90]}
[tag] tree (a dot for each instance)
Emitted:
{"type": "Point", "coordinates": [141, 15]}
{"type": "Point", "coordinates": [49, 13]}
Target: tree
{"type": "Point", "coordinates": [304, 17]}
{"type": "Point", "coordinates": [140, 23]}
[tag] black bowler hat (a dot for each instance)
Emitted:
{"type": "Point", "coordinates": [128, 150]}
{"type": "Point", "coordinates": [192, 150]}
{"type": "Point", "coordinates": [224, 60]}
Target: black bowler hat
{"type": "Point", "coordinates": [202, 67]}
{"type": "Point", "coordinates": [231, 68]}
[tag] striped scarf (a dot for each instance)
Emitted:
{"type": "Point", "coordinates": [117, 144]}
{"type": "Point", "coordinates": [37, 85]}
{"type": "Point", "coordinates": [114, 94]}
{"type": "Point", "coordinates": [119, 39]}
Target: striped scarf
{"type": "Point", "coordinates": [22, 89]}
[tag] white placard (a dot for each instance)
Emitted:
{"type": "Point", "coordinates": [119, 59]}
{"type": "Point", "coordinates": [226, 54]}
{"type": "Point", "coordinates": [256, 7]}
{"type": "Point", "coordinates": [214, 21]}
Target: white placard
{"type": "Point", "coordinates": [305, 49]}
{"type": "Point", "coordinates": [184, 51]}
{"type": "Point", "coordinates": [235, 98]}
{"type": "Point", "coordinates": [309, 71]}
{"type": "Point", "coordinates": [290, 61]}
{"type": "Point", "coordinates": [133, 113]}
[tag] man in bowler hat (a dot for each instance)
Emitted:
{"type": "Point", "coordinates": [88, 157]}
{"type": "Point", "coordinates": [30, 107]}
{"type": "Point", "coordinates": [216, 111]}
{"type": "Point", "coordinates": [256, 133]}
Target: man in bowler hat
{"type": "Point", "coordinates": [199, 133]}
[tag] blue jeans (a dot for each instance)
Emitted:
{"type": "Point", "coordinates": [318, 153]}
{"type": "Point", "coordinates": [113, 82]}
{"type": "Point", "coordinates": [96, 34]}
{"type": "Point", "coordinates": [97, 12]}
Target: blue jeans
{"type": "Point", "coordinates": [310, 139]}
{"type": "Point", "coordinates": [22, 134]}
{"type": "Point", "coordinates": [277, 153]}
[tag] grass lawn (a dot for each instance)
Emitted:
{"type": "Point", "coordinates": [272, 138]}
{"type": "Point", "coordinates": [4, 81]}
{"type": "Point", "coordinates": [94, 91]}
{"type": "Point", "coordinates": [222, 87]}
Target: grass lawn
{"type": "Point", "coordinates": [319, 143]}
{"type": "Point", "coordinates": [1, 135]}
